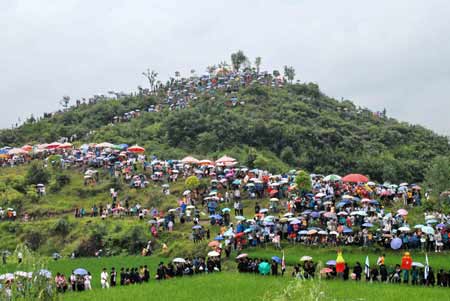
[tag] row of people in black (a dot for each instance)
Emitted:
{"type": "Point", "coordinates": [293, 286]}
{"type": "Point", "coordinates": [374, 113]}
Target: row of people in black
{"type": "Point", "coordinates": [188, 267]}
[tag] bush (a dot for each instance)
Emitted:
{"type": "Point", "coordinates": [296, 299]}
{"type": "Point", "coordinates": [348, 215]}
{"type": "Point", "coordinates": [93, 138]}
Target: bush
{"type": "Point", "coordinates": [62, 227]}
{"type": "Point", "coordinates": [37, 174]}
{"type": "Point", "coordinates": [192, 182]}
{"type": "Point", "coordinates": [62, 180]}
{"type": "Point", "coordinates": [33, 239]}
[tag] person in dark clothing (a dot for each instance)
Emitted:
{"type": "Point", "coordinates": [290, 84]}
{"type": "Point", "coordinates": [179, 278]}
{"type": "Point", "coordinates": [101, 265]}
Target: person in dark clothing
{"type": "Point", "coordinates": [274, 268]}
{"type": "Point", "coordinates": [122, 276]}
{"type": "Point", "coordinates": [357, 270]}
{"type": "Point", "coordinates": [374, 274]}
{"type": "Point", "coordinates": [161, 272]}
{"type": "Point", "coordinates": [146, 274]}
{"type": "Point", "coordinates": [414, 276]}
{"type": "Point", "coordinates": [346, 272]}
{"type": "Point", "coordinates": [430, 279]}
{"type": "Point", "coordinates": [383, 273]}
{"type": "Point", "coordinates": [113, 277]}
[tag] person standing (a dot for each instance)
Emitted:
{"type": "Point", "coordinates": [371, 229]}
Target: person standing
{"type": "Point", "coordinates": [87, 282]}
{"type": "Point", "coordinates": [146, 274]}
{"type": "Point", "coordinates": [73, 281]}
{"type": "Point", "coordinates": [104, 279]}
{"type": "Point", "coordinates": [122, 276]}
{"type": "Point", "coordinates": [19, 257]}
{"type": "Point", "coordinates": [113, 277]}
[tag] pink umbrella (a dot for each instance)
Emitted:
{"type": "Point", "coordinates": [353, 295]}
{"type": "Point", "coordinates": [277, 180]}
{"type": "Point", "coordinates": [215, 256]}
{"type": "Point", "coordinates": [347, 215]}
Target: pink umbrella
{"type": "Point", "coordinates": [243, 255]}
{"type": "Point", "coordinates": [402, 212]}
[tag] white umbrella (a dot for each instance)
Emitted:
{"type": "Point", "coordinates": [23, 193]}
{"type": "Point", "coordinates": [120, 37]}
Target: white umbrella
{"type": "Point", "coordinates": [213, 254]}
{"type": "Point", "coordinates": [404, 229]}
{"type": "Point", "coordinates": [179, 260]}
{"type": "Point", "coordinates": [306, 258]}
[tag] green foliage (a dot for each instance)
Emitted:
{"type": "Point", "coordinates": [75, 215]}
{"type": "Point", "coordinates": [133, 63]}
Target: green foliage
{"type": "Point", "coordinates": [438, 175]}
{"type": "Point", "coordinates": [237, 59]}
{"type": "Point", "coordinates": [62, 227]}
{"type": "Point", "coordinates": [326, 135]}
{"type": "Point", "coordinates": [288, 156]}
{"type": "Point", "coordinates": [303, 181]}
{"type": "Point", "coordinates": [192, 183]}
{"type": "Point", "coordinates": [37, 174]}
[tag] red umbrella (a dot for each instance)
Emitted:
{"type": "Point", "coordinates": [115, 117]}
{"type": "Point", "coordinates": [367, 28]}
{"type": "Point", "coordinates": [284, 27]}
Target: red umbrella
{"type": "Point", "coordinates": [273, 192]}
{"type": "Point", "coordinates": [136, 149]}
{"type": "Point", "coordinates": [27, 148]}
{"type": "Point", "coordinates": [355, 178]}
{"type": "Point", "coordinates": [53, 145]}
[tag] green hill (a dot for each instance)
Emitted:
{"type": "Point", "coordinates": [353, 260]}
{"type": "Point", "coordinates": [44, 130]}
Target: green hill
{"type": "Point", "coordinates": [272, 127]}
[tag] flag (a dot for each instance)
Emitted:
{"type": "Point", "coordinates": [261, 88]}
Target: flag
{"type": "Point", "coordinates": [367, 268]}
{"type": "Point", "coordinates": [340, 263]}
{"type": "Point", "coordinates": [283, 263]}
{"type": "Point", "coordinates": [427, 267]}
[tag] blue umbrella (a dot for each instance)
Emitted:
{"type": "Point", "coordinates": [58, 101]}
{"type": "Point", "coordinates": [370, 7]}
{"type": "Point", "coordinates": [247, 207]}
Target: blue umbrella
{"type": "Point", "coordinates": [331, 262]}
{"type": "Point", "coordinates": [216, 216]}
{"type": "Point", "coordinates": [368, 225]}
{"type": "Point", "coordinates": [396, 243]}
{"type": "Point", "coordinates": [80, 272]}
{"type": "Point", "coordinates": [45, 273]}
{"type": "Point", "coordinates": [315, 214]}
{"type": "Point", "coordinates": [374, 202]}
{"type": "Point", "coordinates": [307, 212]}
{"type": "Point", "coordinates": [248, 230]}
{"type": "Point", "coordinates": [303, 232]}
{"type": "Point", "coordinates": [226, 210]}
{"type": "Point", "coordinates": [237, 182]}
{"type": "Point", "coordinates": [347, 230]}
{"type": "Point", "coordinates": [197, 227]}
{"type": "Point", "coordinates": [218, 238]}
{"type": "Point", "coordinates": [276, 259]}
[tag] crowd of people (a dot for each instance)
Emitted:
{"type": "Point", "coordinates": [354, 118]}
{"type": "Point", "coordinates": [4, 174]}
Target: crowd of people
{"type": "Point", "coordinates": [336, 211]}
{"type": "Point", "coordinates": [407, 272]}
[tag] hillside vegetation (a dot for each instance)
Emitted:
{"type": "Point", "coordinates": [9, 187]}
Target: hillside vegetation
{"type": "Point", "coordinates": [272, 127]}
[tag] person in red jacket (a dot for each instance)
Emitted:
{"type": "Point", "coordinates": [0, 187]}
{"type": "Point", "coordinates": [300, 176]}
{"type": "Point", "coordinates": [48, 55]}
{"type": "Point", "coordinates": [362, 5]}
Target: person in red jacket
{"type": "Point", "coordinates": [406, 266]}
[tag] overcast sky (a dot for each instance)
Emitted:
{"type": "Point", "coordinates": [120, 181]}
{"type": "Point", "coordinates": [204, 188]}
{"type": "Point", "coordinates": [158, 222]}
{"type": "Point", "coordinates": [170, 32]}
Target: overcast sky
{"type": "Point", "coordinates": [379, 54]}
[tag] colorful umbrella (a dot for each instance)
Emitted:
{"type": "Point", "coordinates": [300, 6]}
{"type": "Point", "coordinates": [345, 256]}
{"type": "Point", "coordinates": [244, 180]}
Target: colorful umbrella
{"type": "Point", "coordinates": [355, 178]}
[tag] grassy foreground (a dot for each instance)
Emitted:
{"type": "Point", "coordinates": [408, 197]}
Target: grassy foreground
{"type": "Point", "coordinates": [232, 286]}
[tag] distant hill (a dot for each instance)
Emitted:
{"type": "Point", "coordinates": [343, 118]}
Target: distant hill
{"type": "Point", "coordinates": [293, 125]}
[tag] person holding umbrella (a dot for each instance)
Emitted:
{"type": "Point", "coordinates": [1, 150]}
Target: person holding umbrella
{"type": "Point", "coordinates": [274, 268]}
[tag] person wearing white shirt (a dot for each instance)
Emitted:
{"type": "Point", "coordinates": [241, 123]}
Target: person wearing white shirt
{"type": "Point", "coordinates": [104, 279]}
{"type": "Point", "coordinates": [87, 282]}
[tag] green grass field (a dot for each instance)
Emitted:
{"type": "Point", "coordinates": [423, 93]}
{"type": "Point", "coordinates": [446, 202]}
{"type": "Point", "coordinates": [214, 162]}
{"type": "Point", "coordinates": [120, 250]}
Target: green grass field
{"type": "Point", "coordinates": [233, 286]}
